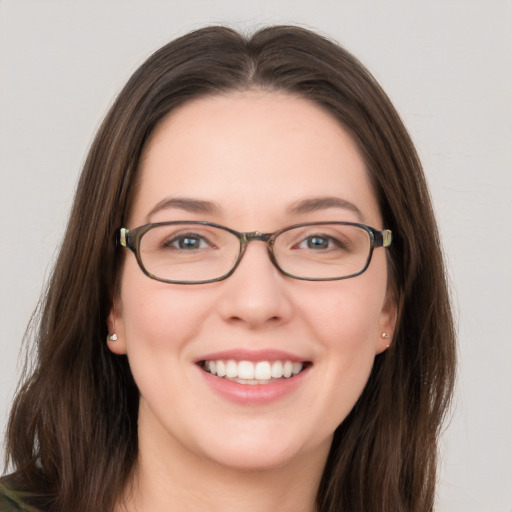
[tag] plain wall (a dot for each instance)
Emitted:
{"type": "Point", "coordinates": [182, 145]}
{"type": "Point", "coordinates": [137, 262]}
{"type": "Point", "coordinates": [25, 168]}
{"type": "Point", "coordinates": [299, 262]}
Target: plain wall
{"type": "Point", "coordinates": [447, 66]}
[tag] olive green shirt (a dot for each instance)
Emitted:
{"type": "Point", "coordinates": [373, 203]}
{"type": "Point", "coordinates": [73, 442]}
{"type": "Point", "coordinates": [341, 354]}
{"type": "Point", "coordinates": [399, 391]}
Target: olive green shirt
{"type": "Point", "coordinates": [12, 500]}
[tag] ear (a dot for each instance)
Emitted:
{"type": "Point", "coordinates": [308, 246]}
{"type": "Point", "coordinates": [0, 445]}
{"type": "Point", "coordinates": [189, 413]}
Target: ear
{"type": "Point", "coordinates": [387, 323]}
{"type": "Point", "coordinates": [115, 325]}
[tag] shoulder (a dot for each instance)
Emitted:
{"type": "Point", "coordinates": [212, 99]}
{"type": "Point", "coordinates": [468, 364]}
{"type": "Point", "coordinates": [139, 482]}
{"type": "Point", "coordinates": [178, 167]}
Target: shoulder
{"type": "Point", "coordinates": [15, 499]}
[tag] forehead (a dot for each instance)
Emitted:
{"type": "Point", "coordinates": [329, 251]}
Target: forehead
{"type": "Point", "coordinates": [253, 153]}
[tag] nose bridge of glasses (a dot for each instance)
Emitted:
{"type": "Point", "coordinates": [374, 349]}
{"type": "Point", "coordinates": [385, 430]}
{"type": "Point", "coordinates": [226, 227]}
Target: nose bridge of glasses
{"type": "Point", "coordinates": [258, 236]}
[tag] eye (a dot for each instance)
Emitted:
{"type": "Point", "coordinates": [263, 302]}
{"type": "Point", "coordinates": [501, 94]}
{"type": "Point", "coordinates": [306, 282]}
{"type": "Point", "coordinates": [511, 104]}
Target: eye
{"type": "Point", "coordinates": [188, 242]}
{"type": "Point", "coordinates": [319, 242]}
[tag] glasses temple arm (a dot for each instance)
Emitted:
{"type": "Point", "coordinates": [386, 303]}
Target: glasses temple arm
{"type": "Point", "coordinates": [383, 238]}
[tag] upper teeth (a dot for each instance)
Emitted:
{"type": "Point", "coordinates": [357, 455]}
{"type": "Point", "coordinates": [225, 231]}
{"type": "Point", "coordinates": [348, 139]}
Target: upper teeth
{"type": "Point", "coordinates": [247, 370]}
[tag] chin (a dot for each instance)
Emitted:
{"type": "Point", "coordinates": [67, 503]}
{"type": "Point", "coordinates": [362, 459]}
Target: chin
{"type": "Point", "coordinates": [250, 462]}
{"type": "Point", "coordinates": [265, 452]}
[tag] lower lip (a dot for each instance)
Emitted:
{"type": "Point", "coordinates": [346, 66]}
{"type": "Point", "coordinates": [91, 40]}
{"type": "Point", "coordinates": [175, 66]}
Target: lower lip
{"type": "Point", "coordinates": [257, 394]}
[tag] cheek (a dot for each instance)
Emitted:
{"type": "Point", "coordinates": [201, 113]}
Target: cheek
{"type": "Point", "coordinates": [161, 321]}
{"type": "Point", "coordinates": [350, 328]}
{"type": "Point", "coordinates": [161, 324]}
{"type": "Point", "coordinates": [347, 315]}
{"type": "Point", "coordinates": [157, 317]}
{"type": "Point", "coordinates": [345, 321]}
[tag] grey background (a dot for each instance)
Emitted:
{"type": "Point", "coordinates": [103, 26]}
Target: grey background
{"type": "Point", "coordinates": [446, 65]}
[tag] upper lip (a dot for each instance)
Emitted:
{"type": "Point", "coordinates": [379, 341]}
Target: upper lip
{"type": "Point", "coordinates": [252, 355]}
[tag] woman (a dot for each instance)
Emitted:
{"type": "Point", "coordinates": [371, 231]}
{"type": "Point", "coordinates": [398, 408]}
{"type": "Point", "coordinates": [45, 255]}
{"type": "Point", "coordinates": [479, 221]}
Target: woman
{"type": "Point", "coordinates": [253, 236]}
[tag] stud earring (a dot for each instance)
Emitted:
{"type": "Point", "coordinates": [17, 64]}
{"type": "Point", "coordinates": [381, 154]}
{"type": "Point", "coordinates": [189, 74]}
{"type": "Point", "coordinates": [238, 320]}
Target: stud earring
{"type": "Point", "coordinates": [112, 337]}
{"type": "Point", "coordinates": [384, 335]}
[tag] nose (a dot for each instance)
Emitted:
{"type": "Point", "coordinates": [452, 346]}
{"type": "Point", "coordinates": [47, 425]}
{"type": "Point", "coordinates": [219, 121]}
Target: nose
{"type": "Point", "coordinates": [256, 294]}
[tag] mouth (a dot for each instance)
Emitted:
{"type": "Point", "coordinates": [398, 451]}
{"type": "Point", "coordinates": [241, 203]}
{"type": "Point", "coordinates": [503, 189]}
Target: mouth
{"type": "Point", "coordinates": [253, 372]}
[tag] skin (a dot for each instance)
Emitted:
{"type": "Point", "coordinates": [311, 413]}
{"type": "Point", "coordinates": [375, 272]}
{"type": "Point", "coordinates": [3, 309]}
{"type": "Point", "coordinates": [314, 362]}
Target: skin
{"type": "Point", "coordinates": [254, 154]}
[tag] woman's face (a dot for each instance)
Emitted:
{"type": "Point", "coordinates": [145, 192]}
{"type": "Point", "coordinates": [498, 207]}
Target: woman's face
{"type": "Point", "coordinates": [249, 161]}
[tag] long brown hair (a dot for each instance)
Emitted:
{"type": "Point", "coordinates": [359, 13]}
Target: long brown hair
{"type": "Point", "coordinates": [72, 434]}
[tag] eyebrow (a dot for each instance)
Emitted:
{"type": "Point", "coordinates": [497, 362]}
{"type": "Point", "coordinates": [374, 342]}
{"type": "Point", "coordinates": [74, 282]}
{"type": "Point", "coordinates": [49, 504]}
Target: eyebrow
{"type": "Point", "coordinates": [188, 205]}
{"type": "Point", "coordinates": [316, 204]}
{"type": "Point", "coordinates": [303, 206]}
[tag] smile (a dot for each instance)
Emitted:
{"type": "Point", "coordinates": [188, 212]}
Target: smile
{"type": "Point", "coordinates": [252, 373]}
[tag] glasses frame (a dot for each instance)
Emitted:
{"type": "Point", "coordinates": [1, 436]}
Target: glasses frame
{"type": "Point", "coordinates": [130, 239]}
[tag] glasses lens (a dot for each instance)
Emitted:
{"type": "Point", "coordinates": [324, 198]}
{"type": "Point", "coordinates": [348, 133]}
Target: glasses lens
{"type": "Point", "coordinates": [323, 251]}
{"type": "Point", "coordinates": [188, 252]}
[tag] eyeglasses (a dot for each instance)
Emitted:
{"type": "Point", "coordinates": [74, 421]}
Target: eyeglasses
{"type": "Point", "coordinates": [195, 252]}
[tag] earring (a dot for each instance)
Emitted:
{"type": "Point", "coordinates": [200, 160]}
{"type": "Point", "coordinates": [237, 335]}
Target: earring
{"type": "Point", "coordinates": [112, 337]}
{"type": "Point", "coordinates": [384, 335]}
